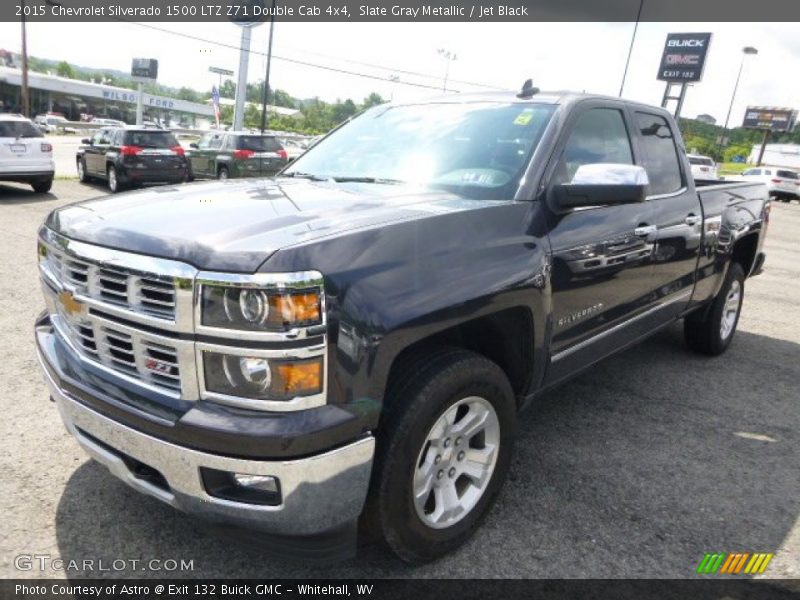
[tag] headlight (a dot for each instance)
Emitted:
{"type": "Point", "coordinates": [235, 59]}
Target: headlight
{"type": "Point", "coordinates": [258, 309]}
{"type": "Point", "coordinates": [261, 378]}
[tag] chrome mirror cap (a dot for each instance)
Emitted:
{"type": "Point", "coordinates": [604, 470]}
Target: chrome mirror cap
{"type": "Point", "coordinates": [610, 174]}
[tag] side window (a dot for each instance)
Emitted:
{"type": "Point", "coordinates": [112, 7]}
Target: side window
{"type": "Point", "coordinates": [599, 136]}
{"type": "Point", "coordinates": [215, 142]}
{"type": "Point", "coordinates": [203, 143]}
{"type": "Point", "coordinates": [767, 172]}
{"type": "Point", "coordinates": [660, 154]}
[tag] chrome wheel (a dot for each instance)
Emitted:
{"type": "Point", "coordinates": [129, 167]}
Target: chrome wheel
{"type": "Point", "coordinates": [81, 171]}
{"type": "Point", "coordinates": [112, 179]}
{"type": "Point", "coordinates": [223, 174]}
{"type": "Point", "coordinates": [730, 311]}
{"type": "Point", "coordinates": [456, 462]}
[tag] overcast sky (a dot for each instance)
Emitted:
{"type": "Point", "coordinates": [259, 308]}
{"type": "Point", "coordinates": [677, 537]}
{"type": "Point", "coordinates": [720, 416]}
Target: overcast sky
{"type": "Point", "coordinates": [575, 56]}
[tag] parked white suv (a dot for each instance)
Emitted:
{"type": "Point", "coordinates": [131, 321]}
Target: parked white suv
{"type": "Point", "coordinates": [25, 155]}
{"type": "Point", "coordinates": [703, 167]}
{"type": "Point", "coordinates": [783, 184]}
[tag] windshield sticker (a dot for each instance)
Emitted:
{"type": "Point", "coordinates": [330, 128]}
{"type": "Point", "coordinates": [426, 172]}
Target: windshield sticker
{"type": "Point", "coordinates": [524, 117]}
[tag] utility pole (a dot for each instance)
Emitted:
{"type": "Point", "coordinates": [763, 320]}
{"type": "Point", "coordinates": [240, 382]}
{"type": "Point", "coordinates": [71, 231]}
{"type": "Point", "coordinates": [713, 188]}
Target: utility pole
{"type": "Point", "coordinates": [266, 75]}
{"type": "Point", "coordinates": [449, 57]}
{"type": "Point", "coordinates": [630, 48]}
{"type": "Point", "coordinates": [25, 107]}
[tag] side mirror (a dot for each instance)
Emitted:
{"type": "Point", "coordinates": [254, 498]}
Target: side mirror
{"type": "Point", "coordinates": [86, 141]}
{"type": "Point", "coordinates": [193, 145]}
{"type": "Point", "coordinates": [601, 184]}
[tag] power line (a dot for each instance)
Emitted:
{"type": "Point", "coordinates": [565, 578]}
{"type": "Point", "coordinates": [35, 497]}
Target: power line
{"type": "Point", "coordinates": [287, 59]}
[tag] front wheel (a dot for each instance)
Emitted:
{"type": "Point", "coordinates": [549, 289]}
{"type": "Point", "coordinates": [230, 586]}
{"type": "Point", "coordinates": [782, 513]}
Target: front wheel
{"type": "Point", "coordinates": [223, 174]}
{"type": "Point", "coordinates": [710, 331]}
{"type": "Point", "coordinates": [443, 454]}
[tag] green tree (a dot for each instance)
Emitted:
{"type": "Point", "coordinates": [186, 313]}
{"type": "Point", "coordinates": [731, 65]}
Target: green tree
{"type": "Point", "coordinates": [64, 69]}
{"type": "Point", "coordinates": [373, 100]}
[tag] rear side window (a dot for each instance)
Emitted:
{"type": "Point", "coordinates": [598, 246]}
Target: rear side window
{"type": "Point", "coordinates": [705, 162]}
{"type": "Point", "coordinates": [786, 174]}
{"type": "Point", "coordinates": [19, 129]}
{"type": "Point", "coordinates": [660, 154]}
{"type": "Point", "coordinates": [150, 139]}
{"type": "Point", "coordinates": [599, 136]}
{"type": "Point", "coordinates": [258, 143]}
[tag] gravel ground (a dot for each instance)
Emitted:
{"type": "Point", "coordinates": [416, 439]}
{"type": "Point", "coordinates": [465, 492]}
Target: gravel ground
{"type": "Point", "coordinates": [634, 469]}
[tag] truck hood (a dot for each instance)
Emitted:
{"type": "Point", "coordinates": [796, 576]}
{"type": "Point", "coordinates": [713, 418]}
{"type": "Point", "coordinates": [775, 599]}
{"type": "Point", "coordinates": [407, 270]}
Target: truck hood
{"type": "Point", "coordinates": [236, 225]}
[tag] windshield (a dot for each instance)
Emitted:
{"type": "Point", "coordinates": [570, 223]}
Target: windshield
{"type": "Point", "coordinates": [18, 129]}
{"type": "Point", "coordinates": [257, 143]}
{"type": "Point", "coordinates": [150, 139]}
{"type": "Point", "coordinates": [700, 160]}
{"type": "Point", "coordinates": [787, 174]}
{"type": "Point", "coordinates": [476, 149]}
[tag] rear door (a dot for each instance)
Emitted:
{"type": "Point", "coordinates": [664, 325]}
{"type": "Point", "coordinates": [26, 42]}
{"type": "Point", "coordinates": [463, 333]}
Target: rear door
{"type": "Point", "coordinates": [20, 145]}
{"type": "Point", "coordinates": [261, 155]}
{"type": "Point", "coordinates": [601, 255]}
{"type": "Point", "coordinates": [159, 151]}
{"type": "Point", "coordinates": [678, 214]}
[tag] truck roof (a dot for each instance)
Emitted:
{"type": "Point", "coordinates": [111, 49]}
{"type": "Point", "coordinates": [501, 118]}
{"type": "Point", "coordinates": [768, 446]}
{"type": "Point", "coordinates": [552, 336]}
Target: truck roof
{"type": "Point", "coordinates": [561, 97]}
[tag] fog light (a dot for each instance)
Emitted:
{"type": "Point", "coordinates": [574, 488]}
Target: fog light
{"type": "Point", "coordinates": [265, 483]}
{"type": "Point", "coordinates": [242, 487]}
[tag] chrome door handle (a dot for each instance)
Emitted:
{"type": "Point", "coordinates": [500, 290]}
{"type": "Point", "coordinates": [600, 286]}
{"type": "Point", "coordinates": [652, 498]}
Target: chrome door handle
{"type": "Point", "coordinates": [692, 220]}
{"type": "Point", "coordinates": [645, 230]}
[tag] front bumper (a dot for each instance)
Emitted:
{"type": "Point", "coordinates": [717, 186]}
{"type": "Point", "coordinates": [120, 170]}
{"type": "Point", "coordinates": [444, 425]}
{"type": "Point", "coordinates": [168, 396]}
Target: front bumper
{"type": "Point", "coordinates": [320, 493]}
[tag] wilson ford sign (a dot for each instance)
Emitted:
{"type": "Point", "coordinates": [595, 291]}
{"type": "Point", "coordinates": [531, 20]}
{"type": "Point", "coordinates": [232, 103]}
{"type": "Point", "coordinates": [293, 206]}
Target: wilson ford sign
{"type": "Point", "coordinates": [684, 57]}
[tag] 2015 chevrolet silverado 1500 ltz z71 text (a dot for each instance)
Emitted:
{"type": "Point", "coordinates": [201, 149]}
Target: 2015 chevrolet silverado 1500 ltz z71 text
{"type": "Point", "coordinates": [345, 348]}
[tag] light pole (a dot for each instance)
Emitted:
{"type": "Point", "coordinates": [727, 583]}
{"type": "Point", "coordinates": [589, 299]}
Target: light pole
{"type": "Point", "coordinates": [747, 50]}
{"type": "Point", "coordinates": [394, 79]}
{"type": "Point", "coordinates": [449, 57]}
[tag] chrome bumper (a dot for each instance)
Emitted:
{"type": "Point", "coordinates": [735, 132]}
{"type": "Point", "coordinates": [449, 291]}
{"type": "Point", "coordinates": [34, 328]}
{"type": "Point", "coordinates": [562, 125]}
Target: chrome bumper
{"type": "Point", "coordinates": [319, 493]}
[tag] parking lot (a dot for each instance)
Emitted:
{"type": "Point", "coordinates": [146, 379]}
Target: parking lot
{"type": "Point", "coordinates": [634, 469]}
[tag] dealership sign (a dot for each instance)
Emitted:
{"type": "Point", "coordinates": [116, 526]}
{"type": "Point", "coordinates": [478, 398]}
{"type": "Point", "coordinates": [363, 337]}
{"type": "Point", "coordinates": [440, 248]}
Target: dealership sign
{"type": "Point", "coordinates": [684, 57]}
{"type": "Point", "coordinates": [770, 118]}
{"type": "Point", "coordinates": [144, 69]}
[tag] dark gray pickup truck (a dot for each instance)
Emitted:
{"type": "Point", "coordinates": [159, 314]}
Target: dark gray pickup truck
{"type": "Point", "coordinates": [348, 345]}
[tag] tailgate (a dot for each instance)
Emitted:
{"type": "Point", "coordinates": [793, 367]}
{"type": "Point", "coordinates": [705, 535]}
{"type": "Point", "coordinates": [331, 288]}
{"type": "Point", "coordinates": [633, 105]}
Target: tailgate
{"type": "Point", "coordinates": [23, 153]}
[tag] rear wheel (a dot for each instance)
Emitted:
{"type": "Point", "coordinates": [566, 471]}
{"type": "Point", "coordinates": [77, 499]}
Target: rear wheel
{"type": "Point", "coordinates": [443, 454]}
{"type": "Point", "coordinates": [711, 330]}
{"type": "Point", "coordinates": [43, 186]}
{"type": "Point", "coordinates": [223, 174]}
{"type": "Point", "coordinates": [113, 181]}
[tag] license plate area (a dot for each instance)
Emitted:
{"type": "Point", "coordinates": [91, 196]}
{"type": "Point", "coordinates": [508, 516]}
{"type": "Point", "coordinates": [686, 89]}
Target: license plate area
{"type": "Point", "coordinates": [18, 148]}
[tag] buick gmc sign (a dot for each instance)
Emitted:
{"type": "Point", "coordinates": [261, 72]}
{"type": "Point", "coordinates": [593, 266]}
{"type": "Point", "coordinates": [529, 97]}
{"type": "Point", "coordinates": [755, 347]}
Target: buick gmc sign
{"type": "Point", "coordinates": [684, 57]}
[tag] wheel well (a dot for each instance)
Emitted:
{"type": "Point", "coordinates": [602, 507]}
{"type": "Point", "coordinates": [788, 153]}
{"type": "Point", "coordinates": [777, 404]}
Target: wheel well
{"type": "Point", "coordinates": [504, 337]}
{"type": "Point", "coordinates": [744, 252]}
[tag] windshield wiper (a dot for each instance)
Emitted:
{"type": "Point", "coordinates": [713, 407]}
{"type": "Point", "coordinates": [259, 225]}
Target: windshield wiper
{"type": "Point", "coordinates": [379, 180]}
{"type": "Point", "coordinates": [299, 175]}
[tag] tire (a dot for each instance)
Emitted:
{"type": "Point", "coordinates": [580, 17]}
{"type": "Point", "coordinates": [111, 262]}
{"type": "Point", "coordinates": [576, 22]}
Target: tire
{"type": "Point", "coordinates": [223, 174]}
{"type": "Point", "coordinates": [710, 331]}
{"type": "Point", "coordinates": [114, 185]}
{"type": "Point", "coordinates": [465, 387]}
{"type": "Point", "coordinates": [43, 186]}
{"type": "Point", "coordinates": [81, 166]}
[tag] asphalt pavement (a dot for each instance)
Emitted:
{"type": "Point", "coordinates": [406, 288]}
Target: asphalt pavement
{"type": "Point", "coordinates": [636, 468]}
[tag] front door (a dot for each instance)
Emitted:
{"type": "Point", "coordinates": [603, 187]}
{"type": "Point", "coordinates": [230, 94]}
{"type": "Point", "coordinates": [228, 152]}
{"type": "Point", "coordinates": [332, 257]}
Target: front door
{"type": "Point", "coordinates": [601, 256]}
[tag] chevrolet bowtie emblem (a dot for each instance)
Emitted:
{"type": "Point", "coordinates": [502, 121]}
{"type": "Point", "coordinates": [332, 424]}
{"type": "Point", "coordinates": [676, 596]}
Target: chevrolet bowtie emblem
{"type": "Point", "coordinates": [71, 306]}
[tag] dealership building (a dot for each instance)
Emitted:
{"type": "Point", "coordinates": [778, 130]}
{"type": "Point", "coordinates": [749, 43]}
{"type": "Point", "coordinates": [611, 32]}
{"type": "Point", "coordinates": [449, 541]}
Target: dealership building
{"type": "Point", "coordinates": [74, 98]}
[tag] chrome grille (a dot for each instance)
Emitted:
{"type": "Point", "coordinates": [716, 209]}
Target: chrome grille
{"type": "Point", "coordinates": [128, 352]}
{"type": "Point", "coordinates": [147, 294]}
